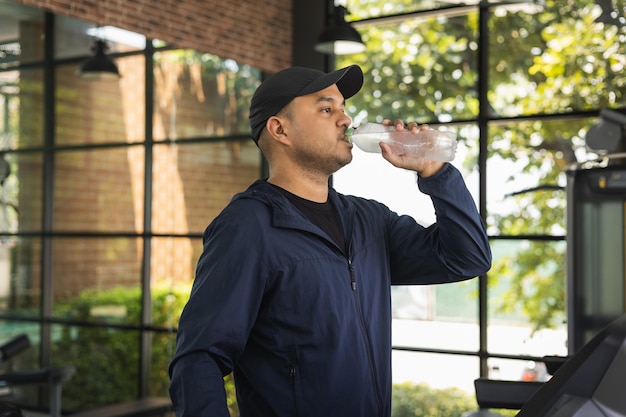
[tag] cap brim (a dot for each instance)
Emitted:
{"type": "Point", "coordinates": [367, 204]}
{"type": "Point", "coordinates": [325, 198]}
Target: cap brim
{"type": "Point", "coordinates": [349, 81]}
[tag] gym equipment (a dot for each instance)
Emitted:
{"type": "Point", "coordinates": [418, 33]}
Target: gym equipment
{"type": "Point", "coordinates": [55, 377]}
{"type": "Point", "coordinates": [589, 383]}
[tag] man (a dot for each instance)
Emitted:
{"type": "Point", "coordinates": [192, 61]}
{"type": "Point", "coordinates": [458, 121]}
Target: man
{"type": "Point", "coordinates": [292, 290]}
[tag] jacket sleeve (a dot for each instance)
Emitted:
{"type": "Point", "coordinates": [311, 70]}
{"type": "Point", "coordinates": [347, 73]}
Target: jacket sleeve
{"type": "Point", "coordinates": [215, 323]}
{"type": "Point", "coordinates": [454, 248]}
{"type": "Point", "coordinates": [197, 386]}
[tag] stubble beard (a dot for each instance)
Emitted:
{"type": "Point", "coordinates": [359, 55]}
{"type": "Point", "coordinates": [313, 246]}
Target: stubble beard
{"type": "Point", "coordinates": [322, 164]}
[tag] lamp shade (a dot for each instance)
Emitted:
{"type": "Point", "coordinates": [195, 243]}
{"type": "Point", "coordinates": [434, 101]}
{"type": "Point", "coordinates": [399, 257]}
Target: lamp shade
{"type": "Point", "coordinates": [339, 37]}
{"type": "Point", "coordinates": [99, 66]}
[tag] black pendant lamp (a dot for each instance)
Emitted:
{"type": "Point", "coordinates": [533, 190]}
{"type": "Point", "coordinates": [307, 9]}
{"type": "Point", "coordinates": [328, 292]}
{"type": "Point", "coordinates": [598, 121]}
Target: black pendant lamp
{"type": "Point", "coordinates": [339, 37]}
{"type": "Point", "coordinates": [99, 66]}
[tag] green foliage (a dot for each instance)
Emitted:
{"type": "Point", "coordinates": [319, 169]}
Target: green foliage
{"type": "Point", "coordinates": [533, 283]}
{"type": "Point", "coordinates": [107, 360]}
{"type": "Point", "coordinates": [421, 400]}
{"type": "Point", "coordinates": [410, 400]}
{"type": "Point", "coordinates": [569, 56]}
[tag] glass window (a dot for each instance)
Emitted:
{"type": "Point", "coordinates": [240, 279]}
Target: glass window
{"type": "Point", "coordinates": [527, 170]}
{"type": "Point", "coordinates": [526, 301]}
{"type": "Point", "coordinates": [9, 109]}
{"type": "Point", "coordinates": [436, 316]}
{"type": "Point", "coordinates": [430, 75]}
{"type": "Point", "coordinates": [24, 359]}
{"type": "Point", "coordinates": [371, 8]}
{"type": "Point", "coordinates": [566, 58]}
{"type": "Point", "coordinates": [173, 265]}
{"type": "Point", "coordinates": [200, 95]}
{"type": "Point", "coordinates": [21, 37]}
{"type": "Point", "coordinates": [97, 279]}
{"type": "Point", "coordinates": [172, 271]}
{"type": "Point", "coordinates": [193, 182]}
{"type": "Point", "coordinates": [163, 345]}
{"type": "Point", "coordinates": [447, 379]}
{"type": "Point", "coordinates": [20, 264]}
{"type": "Point", "coordinates": [106, 361]}
{"type": "Point", "coordinates": [99, 190]}
{"type": "Point", "coordinates": [76, 38]}
{"type": "Point", "coordinates": [22, 105]}
{"type": "Point", "coordinates": [21, 192]}
{"type": "Point", "coordinates": [370, 176]}
{"type": "Point", "coordinates": [71, 38]}
{"type": "Point", "coordinates": [91, 112]}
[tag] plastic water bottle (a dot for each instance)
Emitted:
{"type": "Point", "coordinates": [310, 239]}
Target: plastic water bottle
{"type": "Point", "coordinates": [436, 145]}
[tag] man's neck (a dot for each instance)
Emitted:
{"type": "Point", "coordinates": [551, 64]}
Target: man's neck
{"type": "Point", "coordinates": [310, 189]}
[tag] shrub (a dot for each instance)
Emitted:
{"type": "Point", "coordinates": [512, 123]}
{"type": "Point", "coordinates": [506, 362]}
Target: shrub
{"type": "Point", "coordinates": [421, 400]}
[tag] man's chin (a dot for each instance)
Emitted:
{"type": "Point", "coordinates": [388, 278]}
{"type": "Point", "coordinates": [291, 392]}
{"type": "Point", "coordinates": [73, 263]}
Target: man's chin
{"type": "Point", "coordinates": [345, 161]}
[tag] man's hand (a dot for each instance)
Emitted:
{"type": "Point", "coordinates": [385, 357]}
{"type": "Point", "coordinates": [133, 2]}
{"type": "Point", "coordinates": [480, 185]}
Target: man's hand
{"type": "Point", "coordinates": [424, 167]}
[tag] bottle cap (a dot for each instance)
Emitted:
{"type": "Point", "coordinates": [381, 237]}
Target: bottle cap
{"type": "Point", "coordinates": [349, 133]}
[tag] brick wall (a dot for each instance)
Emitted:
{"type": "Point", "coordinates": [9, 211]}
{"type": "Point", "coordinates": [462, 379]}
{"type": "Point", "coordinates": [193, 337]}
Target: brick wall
{"type": "Point", "coordinates": [102, 190]}
{"type": "Point", "coordinates": [253, 32]}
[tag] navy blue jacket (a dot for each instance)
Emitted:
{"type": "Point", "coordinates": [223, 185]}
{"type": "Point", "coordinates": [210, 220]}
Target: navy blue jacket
{"type": "Point", "coordinates": [305, 327]}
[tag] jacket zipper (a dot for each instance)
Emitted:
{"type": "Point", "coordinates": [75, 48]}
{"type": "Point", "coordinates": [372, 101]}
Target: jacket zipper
{"type": "Point", "coordinates": [352, 279]}
{"type": "Point", "coordinates": [293, 367]}
{"type": "Point", "coordinates": [368, 345]}
{"type": "Point", "coordinates": [359, 312]}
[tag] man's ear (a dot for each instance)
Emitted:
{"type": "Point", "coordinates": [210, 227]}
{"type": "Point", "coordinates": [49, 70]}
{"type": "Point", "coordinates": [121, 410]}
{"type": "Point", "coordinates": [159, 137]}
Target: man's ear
{"type": "Point", "coordinates": [275, 127]}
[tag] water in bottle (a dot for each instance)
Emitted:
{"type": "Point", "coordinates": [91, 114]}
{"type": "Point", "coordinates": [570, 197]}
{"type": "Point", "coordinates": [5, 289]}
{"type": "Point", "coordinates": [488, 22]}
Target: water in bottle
{"type": "Point", "coordinates": [436, 145]}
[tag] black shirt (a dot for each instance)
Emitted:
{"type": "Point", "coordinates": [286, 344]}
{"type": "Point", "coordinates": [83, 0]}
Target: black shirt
{"type": "Point", "coordinates": [323, 215]}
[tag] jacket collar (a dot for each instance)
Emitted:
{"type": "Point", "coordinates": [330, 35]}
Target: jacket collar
{"type": "Point", "coordinates": [284, 214]}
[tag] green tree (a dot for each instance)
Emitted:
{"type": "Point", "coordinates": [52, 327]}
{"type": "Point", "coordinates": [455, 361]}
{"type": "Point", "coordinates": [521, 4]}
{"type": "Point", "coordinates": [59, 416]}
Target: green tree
{"type": "Point", "coordinates": [567, 57]}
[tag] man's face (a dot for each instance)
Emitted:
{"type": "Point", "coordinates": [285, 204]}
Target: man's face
{"type": "Point", "coordinates": [316, 125]}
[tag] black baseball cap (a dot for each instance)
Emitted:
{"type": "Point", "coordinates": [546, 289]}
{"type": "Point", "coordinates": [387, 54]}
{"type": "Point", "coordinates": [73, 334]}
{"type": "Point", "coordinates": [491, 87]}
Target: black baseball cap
{"type": "Point", "coordinates": [279, 89]}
